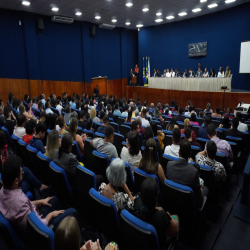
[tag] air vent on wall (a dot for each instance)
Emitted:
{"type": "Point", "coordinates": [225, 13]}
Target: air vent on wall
{"type": "Point", "coordinates": [106, 26]}
{"type": "Point", "coordinates": [62, 19]}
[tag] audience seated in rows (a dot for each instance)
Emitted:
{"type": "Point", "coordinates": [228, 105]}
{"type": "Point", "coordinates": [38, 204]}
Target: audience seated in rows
{"type": "Point", "coordinates": [52, 144]}
{"type": "Point", "coordinates": [158, 133]}
{"type": "Point", "coordinates": [105, 123]}
{"type": "Point", "coordinates": [62, 125]}
{"type": "Point", "coordinates": [10, 118]}
{"type": "Point", "coordinates": [36, 141]}
{"type": "Point", "coordinates": [203, 129]}
{"type": "Point", "coordinates": [173, 149]}
{"type": "Point", "coordinates": [193, 120]}
{"type": "Point", "coordinates": [30, 129]}
{"type": "Point", "coordinates": [19, 130]}
{"type": "Point", "coordinates": [144, 122]}
{"type": "Point", "coordinates": [189, 136]}
{"type": "Point", "coordinates": [93, 116]}
{"type": "Point", "coordinates": [187, 125]}
{"type": "Point", "coordinates": [217, 113]}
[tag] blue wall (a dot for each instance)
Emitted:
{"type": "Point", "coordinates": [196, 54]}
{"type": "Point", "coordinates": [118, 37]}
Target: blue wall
{"type": "Point", "coordinates": [62, 52]}
{"type": "Point", "coordinates": [167, 45]}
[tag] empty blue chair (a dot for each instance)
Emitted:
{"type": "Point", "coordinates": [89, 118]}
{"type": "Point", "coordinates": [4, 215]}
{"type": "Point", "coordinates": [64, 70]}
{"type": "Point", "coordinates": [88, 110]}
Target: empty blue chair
{"type": "Point", "coordinates": [100, 163]}
{"type": "Point", "coordinates": [89, 133]}
{"type": "Point", "coordinates": [124, 129]}
{"type": "Point", "coordinates": [76, 151]}
{"type": "Point", "coordinates": [9, 235]}
{"type": "Point", "coordinates": [61, 184]}
{"type": "Point", "coordinates": [105, 215]}
{"type": "Point", "coordinates": [43, 169]}
{"type": "Point", "coordinates": [118, 139]}
{"type": "Point", "coordinates": [39, 236]}
{"type": "Point", "coordinates": [138, 234]}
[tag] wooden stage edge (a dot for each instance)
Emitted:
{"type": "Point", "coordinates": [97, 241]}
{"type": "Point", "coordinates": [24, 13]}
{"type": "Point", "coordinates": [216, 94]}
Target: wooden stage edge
{"type": "Point", "coordinates": [199, 99]}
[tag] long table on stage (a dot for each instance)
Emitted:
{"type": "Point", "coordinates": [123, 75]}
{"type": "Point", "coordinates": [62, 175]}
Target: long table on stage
{"type": "Point", "coordinates": [212, 84]}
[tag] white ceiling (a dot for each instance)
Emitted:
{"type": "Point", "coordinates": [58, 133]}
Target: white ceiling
{"type": "Point", "coordinates": [109, 9]}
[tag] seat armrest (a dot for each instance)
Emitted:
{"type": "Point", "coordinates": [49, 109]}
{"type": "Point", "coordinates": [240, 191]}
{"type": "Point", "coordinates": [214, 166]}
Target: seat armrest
{"type": "Point", "coordinates": [51, 226]}
{"type": "Point", "coordinates": [203, 203]}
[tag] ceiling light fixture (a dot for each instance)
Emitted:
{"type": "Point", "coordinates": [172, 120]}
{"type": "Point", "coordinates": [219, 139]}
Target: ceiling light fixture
{"type": "Point", "coordinates": [196, 10]}
{"type": "Point", "coordinates": [203, 1]}
{"type": "Point", "coordinates": [129, 4]}
{"type": "Point", "coordinates": [169, 17]}
{"type": "Point", "coordinates": [78, 13]}
{"type": "Point", "coordinates": [55, 9]}
{"type": "Point", "coordinates": [139, 25]}
{"type": "Point", "coordinates": [182, 14]}
{"type": "Point", "coordinates": [97, 17]}
{"type": "Point", "coordinates": [27, 3]}
{"type": "Point", "coordinates": [158, 14]}
{"type": "Point", "coordinates": [230, 1]}
{"type": "Point", "coordinates": [158, 20]}
{"type": "Point", "coordinates": [127, 23]}
{"type": "Point", "coordinates": [113, 20]}
{"type": "Point", "coordinates": [212, 5]}
{"type": "Point", "coordinates": [145, 9]}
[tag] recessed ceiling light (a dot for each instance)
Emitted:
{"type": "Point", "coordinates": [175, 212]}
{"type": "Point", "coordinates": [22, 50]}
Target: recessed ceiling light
{"type": "Point", "coordinates": [212, 5]}
{"type": "Point", "coordinates": [113, 20]}
{"type": "Point", "coordinates": [203, 1]}
{"type": "Point", "coordinates": [27, 3]}
{"type": "Point", "coordinates": [55, 9]}
{"type": "Point", "coordinates": [97, 17]}
{"type": "Point", "coordinates": [182, 14]}
{"type": "Point", "coordinates": [230, 1]}
{"type": "Point", "coordinates": [145, 9]}
{"type": "Point", "coordinates": [169, 17]}
{"type": "Point", "coordinates": [196, 10]}
{"type": "Point", "coordinates": [139, 25]}
{"type": "Point", "coordinates": [78, 13]}
{"type": "Point", "coordinates": [158, 20]}
{"type": "Point", "coordinates": [158, 14]}
{"type": "Point", "coordinates": [129, 4]}
{"type": "Point", "coordinates": [127, 23]}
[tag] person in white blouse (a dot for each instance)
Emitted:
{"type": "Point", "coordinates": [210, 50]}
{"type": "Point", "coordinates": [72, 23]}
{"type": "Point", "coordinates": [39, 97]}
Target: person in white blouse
{"type": "Point", "coordinates": [221, 72]}
{"type": "Point", "coordinates": [205, 73]}
{"type": "Point", "coordinates": [172, 73]}
{"type": "Point", "coordinates": [164, 73]}
{"type": "Point", "coordinates": [168, 73]}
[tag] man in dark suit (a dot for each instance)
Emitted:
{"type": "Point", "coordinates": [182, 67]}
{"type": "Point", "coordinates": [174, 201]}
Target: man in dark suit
{"type": "Point", "coordinates": [179, 117]}
{"type": "Point", "coordinates": [158, 73]}
{"type": "Point", "coordinates": [191, 73]}
{"type": "Point", "coordinates": [186, 174]}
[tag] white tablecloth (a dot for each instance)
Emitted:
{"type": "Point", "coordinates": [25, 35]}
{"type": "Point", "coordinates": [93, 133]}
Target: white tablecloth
{"type": "Point", "coordinates": [191, 84]}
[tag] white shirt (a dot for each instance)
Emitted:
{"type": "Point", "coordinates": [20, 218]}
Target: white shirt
{"type": "Point", "coordinates": [172, 150]}
{"type": "Point", "coordinates": [205, 74]}
{"type": "Point", "coordinates": [133, 161]}
{"type": "Point", "coordinates": [19, 132]}
{"type": "Point", "coordinates": [242, 127]}
{"type": "Point", "coordinates": [168, 74]}
{"type": "Point", "coordinates": [49, 111]}
{"type": "Point", "coordinates": [220, 74]}
{"type": "Point", "coordinates": [144, 122]}
{"type": "Point", "coordinates": [59, 107]}
{"type": "Point", "coordinates": [172, 74]}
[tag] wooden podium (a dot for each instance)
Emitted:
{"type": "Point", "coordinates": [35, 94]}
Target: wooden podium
{"type": "Point", "coordinates": [102, 83]}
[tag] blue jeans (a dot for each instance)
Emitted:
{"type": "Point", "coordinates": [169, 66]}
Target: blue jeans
{"type": "Point", "coordinates": [55, 206]}
{"type": "Point", "coordinates": [29, 181]}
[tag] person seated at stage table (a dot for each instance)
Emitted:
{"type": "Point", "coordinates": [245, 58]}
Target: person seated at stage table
{"type": "Point", "coordinates": [155, 73]}
{"type": "Point", "coordinates": [191, 73]}
{"type": "Point", "coordinates": [164, 73]}
{"type": "Point", "coordinates": [168, 73]}
{"type": "Point", "coordinates": [221, 72]}
{"type": "Point", "coordinates": [205, 73]}
{"type": "Point", "coordinates": [212, 73]}
{"type": "Point", "coordinates": [217, 113]}
{"type": "Point", "coordinates": [177, 74]}
{"type": "Point", "coordinates": [228, 72]}
{"type": "Point", "coordinates": [158, 73]}
{"type": "Point", "coordinates": [199, 73]}
{"type": "Point", "coordinates": [172, 73]}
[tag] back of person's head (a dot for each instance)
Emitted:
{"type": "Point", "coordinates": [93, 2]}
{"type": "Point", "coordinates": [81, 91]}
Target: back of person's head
{"type": "Point", "coordinates": [208, 107]}
{"type": "Point", "coordinates": [201, 114]}
{"type": "Point", "coordinates": [225, 122]}
{"type": "Point", "coordinates": [74, 114]}
{"type": "Point", "coordinates": [3, 140]}
{"type": "Point", "coordinates": [7, 111]}
{"type": "Point", "coordinates": [217, 110]}
{"type": "Point", "coordinates": [211, 130]}
{"type": "Point", "coordinates": [21, 119]}
{"type": "Point", "coordinates": [30, 127]}
{"type": "Point", "coordinates": [102, 114]}
{"type": "Point", "coordinates": [116, 173]}
{"type": "Point", "coordinates": [207, 121]}
{"type": "Point", "coordinates": [193, 117]}
{"type": "Point", "coordinates": [134, 125]}
{"type": "Point", "coordinates": [82, 114]}
{"type": "Point", "coordinates": [21, 109]}
{"type": "Point", "coordinates": [66, 144]}
{"type": "Point", "coordinates": [185, 148]}
{"type": "Point", "coordinates": [116, 106]}
{"type": "Point", "coordinates": [235, 123]}
{"type": "Point", "coordinates": [186, 123]}
{"type": "Point", "coordinates": [176, 135]}
{"type": "Point", "coordinates": [67, 108]}
{"type": "Point", "coordinates": [52, 143]}
{"type": "Point", "coordinates": [149, 193]}
{"type": "Point", "coordinates": [176, 107]}
{"type": "Point", "coordinates": [40, 127]}
{"type": "Point", "coordinates": [109, 107]}
{"type": "Point", "coordinates": [67, 235]}
{"type": "Point", "coordinates": [188, 133]}
{"type": "Point", "coordinates": [42, 114]}
{"type": "Point", "coordinates": [92, 113]}
{"type": "Point", "coordinates": [47, 104]}
{"type": "Point", "coordinates": [126, 107]}
{"type": "Point", "coordinates": [89, 124]}
{"type": "Point", "coordinates": [191, 108]}
{"type": "Point", "coordinates": [72, 126]}
{"type": "Point", "coordinates": [154, 127]}
{"type": "Point", "coordinates": [239, 116]}
{"type": "Point", "coordinates": [144, 112]}
{"type": "Point", "coordinates": [60, 121]}
{"type": "Point", "coordinates": [211, 149]}
{"type": "Point", "coordinates": [11, 171]}
{"type": "Point", "coordinates": [134, 144]}
{"type": "Point", "coordinates": [150, 158]}
{"type": "Point", "coordinates": [229, 109]}
{"type": "Point", "coordinates": [105, 119]}
{"type": "Point", "coordinates": [109, 132]}
{"type": "Point", "coordinates": [181, 110]}
{"type": "Point", "coordinates": [149, 133]}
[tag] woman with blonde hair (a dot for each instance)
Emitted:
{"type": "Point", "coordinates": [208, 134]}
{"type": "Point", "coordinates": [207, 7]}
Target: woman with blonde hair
{"type": "Point", "coordinates": [28, 115]}
{"type": "Point", "coordinates": [187, 125]}
{"type": "Point", "coordinates": [52, 144]}
{"type": "Point", "coordinates": [92, 115]}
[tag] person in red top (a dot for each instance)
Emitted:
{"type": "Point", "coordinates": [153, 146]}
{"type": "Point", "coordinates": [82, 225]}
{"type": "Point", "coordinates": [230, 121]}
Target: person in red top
{"type": "Point", "coordinates": [229, 111]}
{"type": "Point", "coordinates": [136, 69]}
{"type": "Point", "coordinates": [187, 125]}
{"type": "Point", "coordinates": [30, 131]}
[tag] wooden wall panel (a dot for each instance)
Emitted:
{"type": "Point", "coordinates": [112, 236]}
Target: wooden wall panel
{"type": "Point", "coordinates": [124, 85]}
{"type": "Point", "coordinates": [88, 88]}
{"type": "Point", "coordinates": [102, 85]}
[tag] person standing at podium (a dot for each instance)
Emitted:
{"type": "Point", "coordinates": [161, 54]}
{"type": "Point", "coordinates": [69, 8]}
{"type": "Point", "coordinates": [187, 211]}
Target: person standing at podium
{"type": "Point", "coordinates": [96, 91]}
{"type": "Point", "coordinates": [136, 72]}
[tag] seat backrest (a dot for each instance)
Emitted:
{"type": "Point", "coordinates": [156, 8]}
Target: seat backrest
{"type": "Point", "coordinates": [79, 131]}
{"type": "Point", "coordinates": [179, 199]}
{"type": "Point", "coordinates": [130, 179]}
{"type": "Point", "coordinates": [216, 123]}
{"type": "Point", "coordinates": [15, 140]}
{"type": "Point", "coordinates": [165, 159]}
{"type": "Point", "coordinates": [88, 157]}
{"type": "Point", "coordinates": [36, 112]}
{"type": "Point", "coordinates": [124, 129]}
{"type": "Point", "coordinates": [223, 159]}
{"type": "Point", "coordinates": [43, 168]}
{"type": "Point", "coordinates": [84, 181]}
{"type": "Point", "coordinates": [100, 163]}
{"type": "Point", "coordinates": [105, 214]}
{"type": "Point", "coordinates": [202, 142]}
{"type": "Point", "coordinates": [196, 130]}
{"type": "Point", "coordinates": [55, 111]}
{"type": "Point", "coordinates": [119, 120]}
{"type": "Point", "coordinates": [39, 236]}
{"type": "Point", "coordinates": [194, 151]}
{"type": "Point", "coordinates": [32, 152]}
{"type": "Point", "coordinates": [138, 234]}
{"type": "Point", "coordinates": [118, 139]}
{"type": "Point", "coordinates": [167, 140]}
{"type": "Point", "coordinates": [99, 135]}
{"type": "Point", "coordinates": [24, 153]}
{"type": "Point", "coordinates": [76, 151]}
{"type": "Point", "coordinates": [89, 133]}
{"type": "Point", "coordinates": [9, 235]}
{"type": "Point", "coordinates": [115, 126]}
{"type": "Point", "coordinates": [220, 133]}
{"type": "Point", "coordinates": [61, 184]}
